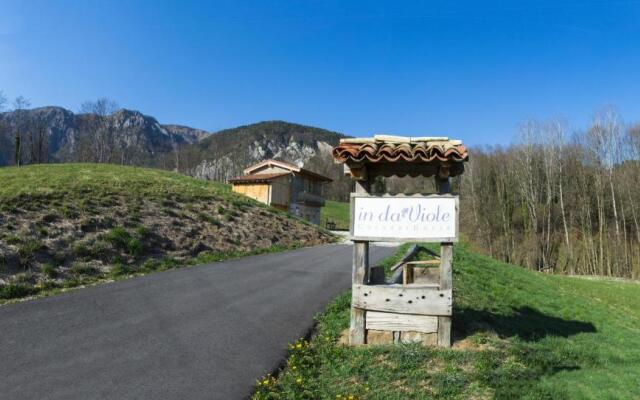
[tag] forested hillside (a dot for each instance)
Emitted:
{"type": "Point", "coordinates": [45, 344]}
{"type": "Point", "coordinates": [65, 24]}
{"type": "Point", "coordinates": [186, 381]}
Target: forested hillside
{"type": "Point", "coordinates": [557, 199]}
{"type": "Point", "coordinates": [559, 202]}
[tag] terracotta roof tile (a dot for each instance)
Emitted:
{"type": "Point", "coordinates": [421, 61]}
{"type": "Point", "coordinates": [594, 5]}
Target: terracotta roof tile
{"type": "Point", "coordinates": [406, 150]}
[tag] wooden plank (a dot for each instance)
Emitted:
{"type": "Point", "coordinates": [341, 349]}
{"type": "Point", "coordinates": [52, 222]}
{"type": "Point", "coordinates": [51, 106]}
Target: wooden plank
{"type": "Point", "coordinates": [385, 321]}
{"type": "Point", "coordinates": [419, 139]}
{"type": "Point", "coordinates": [359, 276]}
{"type": "Point", "coordinates": [360, 272]}
{"type": "Point", "coordinates": [407, 274]}
{"type": "Point", "coordinates": [446, 282]}
{"type": "Point", "coordinates": [446, 275]}
{"type": "Point", "coordinates": [405, 300]}
{"type": "Point", "coordinates": [357, 140]}
{"type": "Point", "coordinates": [424, 262]}
{"type": "Point", "coordinates": [379, 337]}
{"type": "Point", "coordinates": [392, 139]}
{"type": "Point", "coordinates": [446, 263]}
{"type": "Point", "coordinates": [426, 339]}
{"type": "Point", "coordinates": [359, 173]}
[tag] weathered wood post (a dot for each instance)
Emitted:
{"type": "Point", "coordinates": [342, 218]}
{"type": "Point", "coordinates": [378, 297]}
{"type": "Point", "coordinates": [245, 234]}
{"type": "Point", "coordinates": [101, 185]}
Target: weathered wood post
{"type": "Point", "coordinates": [413, 311]}
{"type": "Point", "coordinates": [443, 185]}
{"type": "Point", "coordinates": [360, 273]}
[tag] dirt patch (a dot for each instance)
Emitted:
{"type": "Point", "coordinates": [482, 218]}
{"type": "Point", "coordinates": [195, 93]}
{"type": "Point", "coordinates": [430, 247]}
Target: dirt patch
{"type": "Point", "coordinates": [52, 242]}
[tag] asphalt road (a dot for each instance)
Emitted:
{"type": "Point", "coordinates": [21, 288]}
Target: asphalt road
{"type": "Point", "coordinates": [205, 332]}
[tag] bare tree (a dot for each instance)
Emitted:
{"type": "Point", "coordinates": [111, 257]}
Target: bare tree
{"type": "Point", "coordinates": [20, 104]}
{"type": "Point", "coordinates": [3, 101]}
{"type": "Point", "coordinates": [97, 129]}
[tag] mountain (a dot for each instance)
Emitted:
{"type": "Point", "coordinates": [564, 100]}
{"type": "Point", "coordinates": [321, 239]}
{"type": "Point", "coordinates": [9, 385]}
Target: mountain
{"type": "Point", "coordinates": [226, 153]}
{"type": "Point", "coordinates": [54, 134]}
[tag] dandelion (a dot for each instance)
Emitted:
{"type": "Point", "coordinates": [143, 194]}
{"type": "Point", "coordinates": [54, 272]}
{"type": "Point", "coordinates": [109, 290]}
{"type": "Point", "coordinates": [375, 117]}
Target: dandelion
{"type": "Point", "coordinates": [299, 381]}
{"type": "Point", "coordinates": [265, 382]}
{"type": "Point", "coordinates": [299, 346]}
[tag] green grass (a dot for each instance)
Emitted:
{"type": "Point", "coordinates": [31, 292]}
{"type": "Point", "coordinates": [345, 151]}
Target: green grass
{"type": "Point", "coordinates": [71, 181]}
{"type": "Point", "coordinates": [336, 212]}
{"type": "Point", "coordinates": [519, 335]}
{"type": "Point", "coordinates": [71, 225]}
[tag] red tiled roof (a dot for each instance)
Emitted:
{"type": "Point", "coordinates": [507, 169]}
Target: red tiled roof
{"type": "Point", "coordinates": [255, 178]}
{"type": "Point", "coordinates": [407, 150]}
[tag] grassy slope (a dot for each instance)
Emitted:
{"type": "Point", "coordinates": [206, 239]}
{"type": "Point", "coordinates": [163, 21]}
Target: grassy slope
{"type": "Point", "coordinates": [518, 335]}
{"type": "Point", "coordinates": [70, 224]}
{"type": "Point", "coordinates": [335, 211]}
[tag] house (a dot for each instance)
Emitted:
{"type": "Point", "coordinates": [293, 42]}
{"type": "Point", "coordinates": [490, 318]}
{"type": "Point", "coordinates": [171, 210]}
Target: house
{"type": "Point", "coordinates": [284, 186]}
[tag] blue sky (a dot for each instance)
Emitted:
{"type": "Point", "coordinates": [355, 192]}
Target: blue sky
{"type": "Point", "coordinates": [469, 70]}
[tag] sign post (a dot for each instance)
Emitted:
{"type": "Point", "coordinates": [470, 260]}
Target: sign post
{"type": "Point", "coordinates": [413, 218]}
{"type": "Point", "coordinates": [390, 312]}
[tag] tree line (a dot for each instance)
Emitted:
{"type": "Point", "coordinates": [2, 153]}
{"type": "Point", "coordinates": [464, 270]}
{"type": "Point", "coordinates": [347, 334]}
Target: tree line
{"type": "Point", "coordinates": [559, 202]}
{"type": "Point", "coordinates": [30, 143]}
{"type": "Point", "coordinates": [555, 200]}
{"type": "Point", "coordinates": [26, 138]}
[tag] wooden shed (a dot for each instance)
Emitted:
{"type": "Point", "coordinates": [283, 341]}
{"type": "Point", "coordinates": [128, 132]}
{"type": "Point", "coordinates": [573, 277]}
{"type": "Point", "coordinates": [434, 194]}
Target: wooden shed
{"type": "Point", "coordinates": [285, 186]}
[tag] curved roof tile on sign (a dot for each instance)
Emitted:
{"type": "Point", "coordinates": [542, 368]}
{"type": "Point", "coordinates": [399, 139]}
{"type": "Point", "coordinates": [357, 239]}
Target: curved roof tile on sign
{"type": "Point", "coordinates": [382, 148]}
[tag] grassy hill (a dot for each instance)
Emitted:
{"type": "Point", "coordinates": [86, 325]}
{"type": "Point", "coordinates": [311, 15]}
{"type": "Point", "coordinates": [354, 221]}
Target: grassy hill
{"type": "Point", "coordinates": [66, 225]}
{"type": "Point", "coordinates": [336, 212]}
{"type": "Point", "coordinates": [517, 335]}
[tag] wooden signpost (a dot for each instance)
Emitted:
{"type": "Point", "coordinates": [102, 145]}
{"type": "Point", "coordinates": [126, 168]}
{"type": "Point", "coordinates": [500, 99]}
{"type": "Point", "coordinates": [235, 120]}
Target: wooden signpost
{"type": "Point", "coordinates": [410, 312]}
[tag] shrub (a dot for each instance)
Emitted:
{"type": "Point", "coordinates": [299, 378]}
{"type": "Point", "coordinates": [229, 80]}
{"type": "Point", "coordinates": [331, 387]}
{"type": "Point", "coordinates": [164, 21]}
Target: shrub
{"type": "Point", "coordinates": [28, 249]}
{"type": "Point", "coordinates": [99, 248]}
{"type": "Point", "coordinates": [12, 239]}
{"type": "Point", "coordinates": [81, 250]}
{"type": "Point", "coordinates": [82, 269]}
{"type": "Point", "coordinates": [49, 271]}
{"type": "Point", "coordinates": [204, 217]}
{"type": "Point", "coordinates": [120, 269]}
{"type": "Point", "coordinates": [134, 247]}
{"type": "Point", "coordinates": [150, 265]}
{"type": "Point", "coordinates": [15, 290]}
{"type": "Point", "coordinates": [142, 231]}
{"type": "Point", "coordinates": [118, 237]}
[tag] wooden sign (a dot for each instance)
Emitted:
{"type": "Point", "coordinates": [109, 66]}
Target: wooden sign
{"type": "Point", "coordinates": [404, 218]}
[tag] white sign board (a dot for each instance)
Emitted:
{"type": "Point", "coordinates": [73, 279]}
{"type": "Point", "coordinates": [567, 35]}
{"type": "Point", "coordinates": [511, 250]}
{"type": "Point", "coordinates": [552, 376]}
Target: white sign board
{"type": "Point", "coordinates": [431, 218]}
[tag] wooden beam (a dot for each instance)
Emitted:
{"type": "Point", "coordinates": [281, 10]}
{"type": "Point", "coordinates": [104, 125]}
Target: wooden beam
{"type": "Point", "coordinates": [414, 299]}
{"type": "Point", "coordinates": [358, 173]}
{"type": "Point", "coordinates": [446, 282]}
{"type": "Point", "coordinates": [446, 276]}
{"type": "Point", "coordinates": [359, 276]}
{"type": "Point", "coordinates": [401, 322]}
